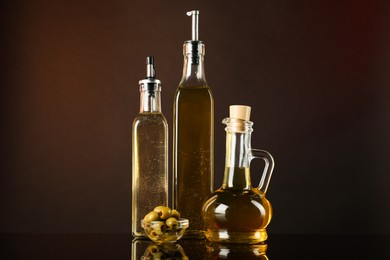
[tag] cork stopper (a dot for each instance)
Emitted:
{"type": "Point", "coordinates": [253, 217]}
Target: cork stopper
{"type": "Point", "coordinates": [240, 112]}
{"type": "Point", "coordinates": [238, 120]}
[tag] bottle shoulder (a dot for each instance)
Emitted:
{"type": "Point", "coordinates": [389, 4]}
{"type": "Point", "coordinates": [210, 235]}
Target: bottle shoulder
{"type": "Point", "coordinates": [241, 197]}
{"type": "Point", "coordinates": [233, 192]}
{"type": "Point", "coordinates": [193, 86]}
{"type": "Point", "coordinates": [151, 118]}
{"type": "Point", "coordinates": [194, 92]}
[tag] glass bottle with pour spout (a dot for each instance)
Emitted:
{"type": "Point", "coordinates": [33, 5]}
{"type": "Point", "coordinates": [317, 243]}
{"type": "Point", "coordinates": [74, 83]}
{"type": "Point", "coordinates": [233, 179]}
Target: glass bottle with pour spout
{"type": "Point", "coordinates": [193, 136]}
{"type": "Point", "coordinates": [239, 212]}
{"type": "Point", "coordinates": [149, 152]}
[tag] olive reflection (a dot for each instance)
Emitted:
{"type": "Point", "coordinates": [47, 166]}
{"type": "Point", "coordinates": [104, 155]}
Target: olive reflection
{"type": "Point", "coordinates": [164, 251]}
{"type": "Point", "coordinates": [236, 251]}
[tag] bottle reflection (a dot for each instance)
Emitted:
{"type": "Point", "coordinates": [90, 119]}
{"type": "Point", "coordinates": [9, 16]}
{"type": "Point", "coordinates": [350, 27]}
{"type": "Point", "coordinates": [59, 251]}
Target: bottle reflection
{"type": "Point", "coordinates": [138, 247]}
{"type": "Point", "coordinates": [196, 249]}
{"type": "Point", "coordinates": [145, 250]}
{"type": "Point", "coordinates": [237, 251]}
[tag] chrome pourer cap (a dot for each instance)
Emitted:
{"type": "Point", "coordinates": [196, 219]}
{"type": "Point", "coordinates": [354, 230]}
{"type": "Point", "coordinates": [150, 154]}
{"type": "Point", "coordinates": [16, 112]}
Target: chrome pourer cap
{"type": "Point", "coordinates": [194, 46]}
{"type": "Point", "coordinates": [150, 82]}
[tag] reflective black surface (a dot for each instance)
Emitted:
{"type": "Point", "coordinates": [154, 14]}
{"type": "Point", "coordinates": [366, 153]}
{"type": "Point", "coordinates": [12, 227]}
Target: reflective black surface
{"type": "Point", "coordinates": [122, 246]}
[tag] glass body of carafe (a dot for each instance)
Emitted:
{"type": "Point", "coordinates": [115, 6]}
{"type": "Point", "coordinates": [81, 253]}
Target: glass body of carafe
{"type": "Point", "coordinates": [239, 212]}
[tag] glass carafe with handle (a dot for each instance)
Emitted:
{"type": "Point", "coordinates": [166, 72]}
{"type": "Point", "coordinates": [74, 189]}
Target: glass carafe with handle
{"type": "Point", "coordinates": [239, 212]}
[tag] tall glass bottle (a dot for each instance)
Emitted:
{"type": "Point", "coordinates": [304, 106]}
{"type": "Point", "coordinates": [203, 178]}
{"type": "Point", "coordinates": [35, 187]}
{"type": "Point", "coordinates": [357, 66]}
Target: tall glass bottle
{"type": "Point", "coordinates": [149, 152]}
{"type": "Point", "coordinates": [239, 212]}
{"type": "Point", "coordinates": [193, 135]}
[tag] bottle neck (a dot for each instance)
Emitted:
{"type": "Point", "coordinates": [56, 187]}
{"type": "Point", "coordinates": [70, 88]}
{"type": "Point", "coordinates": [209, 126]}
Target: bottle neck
{"type": "Point", "coordinates": [150, 101]}
{"type": "Point", "coordinates": [193, 69]}
{"type": "Point", "coordinates": [237, 174]}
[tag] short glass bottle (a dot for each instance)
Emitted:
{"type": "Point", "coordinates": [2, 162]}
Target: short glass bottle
{"type": "Point", "coordinates": [239, 212]}
{"type": "Point", "coordinates": [149, 152]}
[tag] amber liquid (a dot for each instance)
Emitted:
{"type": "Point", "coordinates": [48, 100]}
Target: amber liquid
{"type": "Point", "coordinates": [193, 153]}
{"type": "Point", "coordinates": [150, 162]}
{"type": "Point", "coordinates": [236, 214]}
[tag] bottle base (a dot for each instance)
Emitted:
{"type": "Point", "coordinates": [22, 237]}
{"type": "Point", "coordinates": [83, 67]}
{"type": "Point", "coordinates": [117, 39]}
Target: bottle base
{"type": "Point", "coordinates": [245, 251]}
{"type": "Point", "coordinates": [226, 236]}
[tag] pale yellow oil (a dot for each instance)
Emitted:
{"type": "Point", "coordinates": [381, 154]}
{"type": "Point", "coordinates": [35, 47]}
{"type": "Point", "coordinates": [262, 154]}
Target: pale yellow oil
{"type": "Point", "coordinates": [193, 153]}
{"type": "Point", "coordinates": [150, 159]}
{"type": "Point", "coordinates": [237, 214]}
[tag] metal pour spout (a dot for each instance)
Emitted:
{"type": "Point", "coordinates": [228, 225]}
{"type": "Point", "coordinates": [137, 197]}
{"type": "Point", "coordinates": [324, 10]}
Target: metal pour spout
{"type": "Point", "coordinates": [195, 24]}
{"type": "Point", "coordinates": [150, 71]}
{"type": "Point", "coordinates": [150, 83]}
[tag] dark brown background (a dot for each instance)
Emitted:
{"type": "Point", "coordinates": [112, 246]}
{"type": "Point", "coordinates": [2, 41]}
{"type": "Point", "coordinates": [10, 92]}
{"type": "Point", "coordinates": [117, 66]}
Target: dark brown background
{"type": "Point", "coordinates": [316, 74]}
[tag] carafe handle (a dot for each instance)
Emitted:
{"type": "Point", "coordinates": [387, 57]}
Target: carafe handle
{"type": "Point", "coordinates": [268, 168]}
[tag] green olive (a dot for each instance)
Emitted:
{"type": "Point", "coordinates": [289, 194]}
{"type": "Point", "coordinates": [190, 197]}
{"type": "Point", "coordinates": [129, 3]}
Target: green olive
{"type": "Point", "coordinates": [148, 230]}
{"type": "Point", "coordinates": [172, 223]}
{"type": "Point", "coordinates": [153, 236]}
{"type": "Point", "coordinates": [175, 214]}
{"type": "Point", "coordinates": [153, 249]}
{"type": "Point", "coordinates": [158, 228]}
{"type": "Point", "coordinates": [163, 212]}
{"type": "Point", "coordinates": [152, 216]}
{"type": "Point", "coordinates": [157, 256]}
